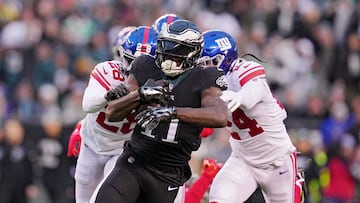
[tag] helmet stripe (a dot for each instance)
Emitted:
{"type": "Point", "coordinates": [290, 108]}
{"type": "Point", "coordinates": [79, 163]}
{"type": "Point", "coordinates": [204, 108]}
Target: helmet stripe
{"type": "Point", "coordinates": [145, 39]}
{"type": "Point", "coordinates": [170, 19]}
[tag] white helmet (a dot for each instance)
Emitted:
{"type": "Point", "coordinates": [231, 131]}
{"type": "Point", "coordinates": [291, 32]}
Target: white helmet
{"type": "Point", "coordinates": [121, 36]}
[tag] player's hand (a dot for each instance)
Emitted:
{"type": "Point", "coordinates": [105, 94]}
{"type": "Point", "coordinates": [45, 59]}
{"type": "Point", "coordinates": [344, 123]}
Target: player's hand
{"type": "Point", "coordinates": [119, 91]}
{"type": "Point", "coordinates": [74, 142]}
{"type": "Point", "coordinates": [210, 167]}
{"type": "Point", "coordinates": [152, 116]}
{"type": "Point", "coordinates": [155, 92]}
{"type": "Point", "coordinates": [233, 99]}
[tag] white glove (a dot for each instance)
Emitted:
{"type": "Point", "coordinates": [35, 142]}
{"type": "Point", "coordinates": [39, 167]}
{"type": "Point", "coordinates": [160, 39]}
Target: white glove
{"type": "Point", "coordinates": [233, 99]}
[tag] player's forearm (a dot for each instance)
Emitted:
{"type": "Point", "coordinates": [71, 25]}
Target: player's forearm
{"type": "Point", "coordinates": [118, 109]}
{"type": "Point", "coordinates": [212, 117]}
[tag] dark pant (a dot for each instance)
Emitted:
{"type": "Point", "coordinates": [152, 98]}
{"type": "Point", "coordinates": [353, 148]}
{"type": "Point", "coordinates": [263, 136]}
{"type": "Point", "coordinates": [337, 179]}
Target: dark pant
{"type": "Point", "coordinates": [129, 182]}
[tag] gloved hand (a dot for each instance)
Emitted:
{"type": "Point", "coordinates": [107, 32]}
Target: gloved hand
{"type": "Point", "coordinates": [210, 167]}
{"type": "Point", "coordinates": [74, 142]}
{"type": "Point", "coordinates": [233, 99]}
{"type": "Point", "coordinates": [152, 116]}
{"type": "Point", "coordinates": [119, 91]}
{"type": "Point", "coordinates": [155, 92]}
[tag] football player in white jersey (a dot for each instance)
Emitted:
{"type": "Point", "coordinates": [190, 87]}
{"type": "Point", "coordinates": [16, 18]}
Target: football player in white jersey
{"type": "Point", "coordinates": [262, 152]}
{"type": "Point", "coordinates": [101, 140]}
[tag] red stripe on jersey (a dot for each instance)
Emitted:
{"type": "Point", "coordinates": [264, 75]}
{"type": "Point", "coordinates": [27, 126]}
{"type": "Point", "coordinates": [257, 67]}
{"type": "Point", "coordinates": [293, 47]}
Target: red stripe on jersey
{"type": "Point", "coordinates": [251, 69]}
{"type": "Point", "coordinates": [251, 76]}
{"type": "Point", "coordinates": [102, 83]}
{"type": "Point", "coordinates": [103, 78]}
{"type": "Point", "coordinates": [145, 39]}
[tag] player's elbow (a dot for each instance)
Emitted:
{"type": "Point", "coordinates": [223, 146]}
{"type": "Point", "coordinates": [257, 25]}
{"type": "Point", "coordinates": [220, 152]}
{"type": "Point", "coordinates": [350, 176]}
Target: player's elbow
{"type": "Point", "coordinates": [88, 108]}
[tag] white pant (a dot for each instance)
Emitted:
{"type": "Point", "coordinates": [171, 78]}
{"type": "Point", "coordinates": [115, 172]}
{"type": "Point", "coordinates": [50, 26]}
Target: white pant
{"type": "Point", "coordinates": [180, 197]}
{"type": "Point", "coordinates": [91, 168]}
{"type": "Point", "coordinates": [237, 180]}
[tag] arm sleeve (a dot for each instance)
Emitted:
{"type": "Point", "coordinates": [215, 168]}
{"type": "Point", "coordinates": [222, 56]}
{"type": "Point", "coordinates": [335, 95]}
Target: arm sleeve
{"type": "Point", "coordinates": [93, 99]}
{"type": "Point", "coordinates": [197, 190]}
{"type": "Point", "coordinates": [99, 83]}
{"type": "Point", "coordinates": [253, 92]}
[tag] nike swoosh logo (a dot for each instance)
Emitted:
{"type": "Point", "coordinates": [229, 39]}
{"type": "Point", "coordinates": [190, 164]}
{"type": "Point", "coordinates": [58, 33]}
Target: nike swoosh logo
{"type": "Point", "coordinates": [245, 67]}
{"type": "Point", "coordinates": [105, 71]}
{"type": "Point", "coordinates": [172, 188]}
{"type": "Point", "coordinates": [282, 172]}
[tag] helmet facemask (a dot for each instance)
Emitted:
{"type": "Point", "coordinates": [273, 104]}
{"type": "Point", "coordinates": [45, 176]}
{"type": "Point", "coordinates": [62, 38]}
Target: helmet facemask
{"type": "Point", "coordinates": [175, 57]}
{"type": "Point", "coordinates": [215, 61]}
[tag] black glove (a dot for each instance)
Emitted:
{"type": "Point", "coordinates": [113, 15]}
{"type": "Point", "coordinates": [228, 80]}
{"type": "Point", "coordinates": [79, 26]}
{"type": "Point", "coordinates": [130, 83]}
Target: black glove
{"type": "Point", "coordinates": [119, 91]}
{"type": "Point", "coordinates": [155, 92]}
{"type": "Point", "coordinates": [152, 116]}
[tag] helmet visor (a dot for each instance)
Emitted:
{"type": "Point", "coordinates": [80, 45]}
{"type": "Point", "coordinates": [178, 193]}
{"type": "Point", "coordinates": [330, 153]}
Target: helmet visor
{"type": "Point", "coordinates": [174, 48]}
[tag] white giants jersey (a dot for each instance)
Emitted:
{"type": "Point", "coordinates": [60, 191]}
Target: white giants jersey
{"type": "Point", "coordinates": [97, 132]}
{"type": "Point", "coordinates": [258, 133]}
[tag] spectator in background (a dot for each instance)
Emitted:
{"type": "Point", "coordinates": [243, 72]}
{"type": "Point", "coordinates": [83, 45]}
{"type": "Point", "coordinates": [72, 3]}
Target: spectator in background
{"type": "Point", "coordinates": [355, 128]}
{"type": "Point", "coordinates": [47, 105]}
{"type": "Point", "coordinates": [3, 106]}
{"type": "Point", "coordinates": [25, 102]}
{"type": "Point", "coordinates": [355, 171]}
{"type": "Point", "coordinates": [43, 69]}
{"type": "Point", "coordinates": [63, 78]}
{"type": "Point", "coordinates": [336, 124]}
{"type": "Point", "coordinates": [56, 175]}
{"type": "Point", "coordinates": [16, 174]}
{"type": "Point", "coordinates": [341, 188]}
{"type": "Point", "coordinates": [98, 48]}
{"type": "Point", "coordinates": [72, 105]}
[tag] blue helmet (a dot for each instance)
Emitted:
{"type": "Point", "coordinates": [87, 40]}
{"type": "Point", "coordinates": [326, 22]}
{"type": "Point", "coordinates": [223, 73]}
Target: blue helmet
{"type": "Point", "coordinates": [164, 20]}
{"type": "Point", "coordinates": [142, 40]}
{"type": "Point", "coordinates": [119, 41]}
{"type": "Point", "coordinates": [219, 51]}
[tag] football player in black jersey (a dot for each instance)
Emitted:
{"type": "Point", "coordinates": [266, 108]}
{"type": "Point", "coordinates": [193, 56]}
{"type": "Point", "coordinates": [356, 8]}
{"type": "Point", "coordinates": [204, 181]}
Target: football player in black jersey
{"type": "Point", "coordinates": [174, 100]}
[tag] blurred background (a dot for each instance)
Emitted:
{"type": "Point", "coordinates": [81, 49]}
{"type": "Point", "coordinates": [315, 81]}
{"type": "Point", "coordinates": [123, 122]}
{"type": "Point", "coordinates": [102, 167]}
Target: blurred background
{"type": "Point", "coordinates": [49, 47]}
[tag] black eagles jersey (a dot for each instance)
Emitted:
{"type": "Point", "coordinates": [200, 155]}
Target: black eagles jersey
{"type": "Point", "coordinates": [167, 148]}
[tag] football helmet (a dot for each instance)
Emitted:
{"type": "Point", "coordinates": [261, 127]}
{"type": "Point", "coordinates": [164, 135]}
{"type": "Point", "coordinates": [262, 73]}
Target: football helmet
{"type": "Point", "coordinates": [119, 40]}
{"type": "Point", "coordinates": [219, 51]}
{"type": "Point", "coordinates": [179, 47]}
{"type": "Point", "coordinates": [164, 21]}
{"type": "Point", "coordinates": [140, 41]}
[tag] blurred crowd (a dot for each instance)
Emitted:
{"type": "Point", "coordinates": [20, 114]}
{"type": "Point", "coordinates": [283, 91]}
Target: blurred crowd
{"type": "Point", "coordinates": [309, 48]}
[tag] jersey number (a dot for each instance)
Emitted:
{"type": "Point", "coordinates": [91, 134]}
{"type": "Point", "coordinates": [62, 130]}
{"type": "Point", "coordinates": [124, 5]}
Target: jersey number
{"type": "Point", "coordinates": [116, 71]}
{"type": "Point", "coordinates": [243, 122]}
{"type": "Point", "coordinates": [126, 127]}
{"type": "Point", "coordinates": [170, 136]}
